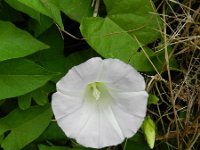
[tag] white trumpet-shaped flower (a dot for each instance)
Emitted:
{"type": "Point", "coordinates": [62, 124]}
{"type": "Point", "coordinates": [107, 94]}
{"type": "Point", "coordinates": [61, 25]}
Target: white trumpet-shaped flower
{"type": "Point", "coordinates": [100, 102]}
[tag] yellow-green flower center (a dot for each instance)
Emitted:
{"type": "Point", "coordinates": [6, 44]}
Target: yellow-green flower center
{"type": "Point", "coordinates": [97, 91]}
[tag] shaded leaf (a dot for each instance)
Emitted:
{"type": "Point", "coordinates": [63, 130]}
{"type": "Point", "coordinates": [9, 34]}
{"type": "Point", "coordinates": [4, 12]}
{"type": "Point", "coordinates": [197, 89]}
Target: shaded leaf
{"type": "Point", "coordinates": [24, 101]}
{"type": "Point", "coordinates": [53, 133]}
{"type": "Point", "coordinates": [53, 57]}
{"type": "Point", "coordinates": [137, 142]}
{"type": "Point", "coordinates": [8, 13]}
{"type": "Point", "coordinates": [25, 126]}
{"type": "Point", "coordinates": [45, 147]}
{"type": "Point", "coordinates": [1, 138]}
{"type": "Point", "coordinates": [40, 96]}
{"type": "Point", "coordinates": [23, 8]}
{"type": "Point", "coordinates": [79, 57]}
{"type": "Point", "coordinates": [40, 27]}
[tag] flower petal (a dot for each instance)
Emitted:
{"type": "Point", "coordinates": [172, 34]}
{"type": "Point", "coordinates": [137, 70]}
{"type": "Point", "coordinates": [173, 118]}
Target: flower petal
{"type": "Point", "coordinates": [101, 129]}
{"type": "Point", "coordinates": [121, 76]}
{"type": "Point", "coordinates": [92, 126]}
{"type": "Point", "coordinates": [132, 102]}
{"type": "Point", "coordinates": [79, 76]}
{"type": "Point", "coordinates": [71, 83]}
{"type": "Point", "coordinates": [90, 70]}
{"type": "Point", "coordinates": [73, 123]}
{"type": "Point", "coordinates": [63, 105]}
{"type": "Point", "coordinates": [128, 123]}
{"type": "Point", "coordinates": [130, 110]}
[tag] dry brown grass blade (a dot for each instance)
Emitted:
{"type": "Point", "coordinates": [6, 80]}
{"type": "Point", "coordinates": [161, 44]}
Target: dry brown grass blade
{"type": "Point", "coordinates": [178, 113]}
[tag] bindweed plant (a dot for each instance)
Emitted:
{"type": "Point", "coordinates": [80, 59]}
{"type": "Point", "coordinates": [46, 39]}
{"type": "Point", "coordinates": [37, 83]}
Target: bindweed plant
{"type": "Point", "coordinates": [98, 74]}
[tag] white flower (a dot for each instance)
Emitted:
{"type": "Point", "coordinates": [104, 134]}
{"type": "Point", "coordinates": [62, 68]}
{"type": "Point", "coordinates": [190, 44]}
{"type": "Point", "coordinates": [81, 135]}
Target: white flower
{"type": "Point", "coordinates": [100, 102]}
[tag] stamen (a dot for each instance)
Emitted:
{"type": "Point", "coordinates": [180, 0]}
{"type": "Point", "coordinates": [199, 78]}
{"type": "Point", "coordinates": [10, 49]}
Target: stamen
{"type": "Point", "coordinates": [96, 93]}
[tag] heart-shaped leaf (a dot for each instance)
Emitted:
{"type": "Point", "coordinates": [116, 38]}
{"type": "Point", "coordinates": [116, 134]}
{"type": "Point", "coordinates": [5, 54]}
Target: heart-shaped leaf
{"type": "Point", "coordinates": [16, 43]}
{"type": "Point", "coordinates": [128, 25]}
{"type": "Point", "coordinates": [20, 76]}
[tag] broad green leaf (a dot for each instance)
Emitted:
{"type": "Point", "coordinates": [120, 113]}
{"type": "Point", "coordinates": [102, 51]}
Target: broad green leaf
{"type": "Point", "coordinates": [20, 76]}
{"type": "Point", "coordinates": [25, 126]}
{"type": "Point", "coordinates": [45, 7]}
{"type": "Point", "coordinates": [128, 24]}
{"type": "Point", "coordinates": [107, 38]}
{"type": "Point", "coordinates": [23, 8]}
{"type": "Point", "coordinates": [75, 9]}
{"type": "Point", "coordinates": [16, 43]}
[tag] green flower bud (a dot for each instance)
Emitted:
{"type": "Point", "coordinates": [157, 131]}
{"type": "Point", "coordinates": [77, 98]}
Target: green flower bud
{"type": "Point", "coordinates": [149, 128]}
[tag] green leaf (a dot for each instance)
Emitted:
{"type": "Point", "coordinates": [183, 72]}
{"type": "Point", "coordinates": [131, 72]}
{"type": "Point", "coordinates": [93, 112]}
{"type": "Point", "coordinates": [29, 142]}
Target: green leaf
{"type": "Point", "coordinates": [25, 126]}
{"type": "Point", "coordinates": [16, 42]}
{"type": "Point", "coordinates": [9, 14]}
{"type": "Point", "coordinates": [53, 133]}
{"type": "Point", "coordinates": [1, 138]}
{"type": "Point", "coordinates": [45, 7]}
{"type": "Point", "coordinates": [24, 101]}
{"type": "Point", "coordinates": [137, 142]}
{"type": "Point", "coordinates": [142, 62]}
{"type": "Point", "coordinates": [127, 24]}
{"type": "Point", "coordinates": [52, 58]}
{"type": "Point", "coordinates": [39, 95]}
{"type": "Point", "coordinates": [152, 99]}
{"type": "Point", "coordinates": [23, 8]}
{"type": "Point", "coordinates": [75, 9]}
{"type": "Point", "coordinates": [45, 147]}
{"type": "Point", "coordinates": [79, 57]}
{"type": "Point", "coordinates": [40, 27]}
{"type": "Point", "coordinates": [20, 76]}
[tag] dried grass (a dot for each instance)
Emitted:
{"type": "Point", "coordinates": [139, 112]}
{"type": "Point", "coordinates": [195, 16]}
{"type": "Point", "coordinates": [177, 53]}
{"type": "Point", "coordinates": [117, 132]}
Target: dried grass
{"type": "Point", "coordinates": [178, 113]}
